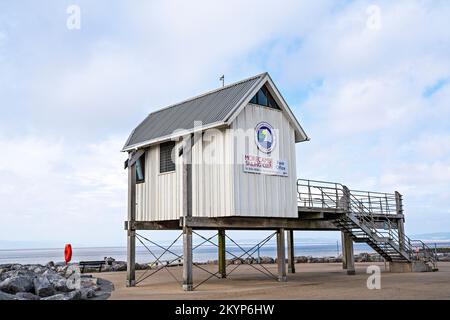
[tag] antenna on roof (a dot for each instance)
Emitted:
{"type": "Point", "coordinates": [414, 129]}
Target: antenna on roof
{"type": "Point", "coordinates": [222, 78]}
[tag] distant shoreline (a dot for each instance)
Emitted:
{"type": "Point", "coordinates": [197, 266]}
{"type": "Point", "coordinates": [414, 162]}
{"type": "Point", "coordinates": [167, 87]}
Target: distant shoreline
{"type": "Point", "coordinates": [202, 254]}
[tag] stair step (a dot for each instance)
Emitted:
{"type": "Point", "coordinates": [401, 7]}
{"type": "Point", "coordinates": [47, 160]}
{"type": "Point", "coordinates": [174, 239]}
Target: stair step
{"type": "Point", "coordinates": [361, 232]}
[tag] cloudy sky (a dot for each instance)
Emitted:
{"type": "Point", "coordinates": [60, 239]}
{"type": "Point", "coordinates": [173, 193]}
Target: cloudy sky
{"type": "Point", "coordinates": [368, 80]}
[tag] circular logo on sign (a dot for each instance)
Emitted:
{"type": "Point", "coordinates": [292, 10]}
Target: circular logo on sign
{"type": "Point", "coordinates": [265, 137]}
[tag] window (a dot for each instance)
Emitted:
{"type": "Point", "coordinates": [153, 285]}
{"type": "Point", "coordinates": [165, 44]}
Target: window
{"type": "Point", "coordinates": [261, 97]}
{"type": "Point", "coordinates": [166, 163]}
{"type": "Point", "coordinates": [264, 98]}
{"type": "Point", "coordinates": [140, 169]}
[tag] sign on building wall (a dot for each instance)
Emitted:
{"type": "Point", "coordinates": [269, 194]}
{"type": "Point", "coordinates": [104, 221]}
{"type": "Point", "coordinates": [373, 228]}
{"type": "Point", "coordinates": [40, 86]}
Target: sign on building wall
{"type": "Point", "coordinates": [264, 165]}
{"type": "Point", "coordinates": [265, 137]}
{"type": "Point", "coordinates": [265, 140]}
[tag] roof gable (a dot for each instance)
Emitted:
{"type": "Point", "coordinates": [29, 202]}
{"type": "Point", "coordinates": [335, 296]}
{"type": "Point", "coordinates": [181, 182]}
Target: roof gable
{"type": "Point", "coordinates": [215, 108]}
{"type": "Point", "coordinates": [300, 134]}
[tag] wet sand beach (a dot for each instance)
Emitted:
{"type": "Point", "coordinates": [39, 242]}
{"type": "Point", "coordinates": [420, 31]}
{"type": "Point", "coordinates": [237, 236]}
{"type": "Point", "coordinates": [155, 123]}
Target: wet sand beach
{"type": "Point", "coordinates": [311, 281]}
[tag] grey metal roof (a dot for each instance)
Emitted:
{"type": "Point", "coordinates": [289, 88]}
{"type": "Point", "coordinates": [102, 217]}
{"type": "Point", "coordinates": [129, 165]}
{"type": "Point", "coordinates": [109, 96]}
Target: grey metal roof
{"type": "Point", "coordinates": [208, 108]}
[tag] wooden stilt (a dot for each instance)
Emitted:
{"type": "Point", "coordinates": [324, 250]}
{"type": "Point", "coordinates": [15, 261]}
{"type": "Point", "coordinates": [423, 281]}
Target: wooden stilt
{"type": "Point", "coordinates": [187, 212]}
{"type": "Point", "coordinates": [187, 259]}
{"type": "Point", "coordinates": [291, 251]}
{"type": "Point", "coordinates": [222, 257]}
{"type": "Point", "coordinates": [131, 233]}
{"type": "Point", "coordinates": [281, 255]}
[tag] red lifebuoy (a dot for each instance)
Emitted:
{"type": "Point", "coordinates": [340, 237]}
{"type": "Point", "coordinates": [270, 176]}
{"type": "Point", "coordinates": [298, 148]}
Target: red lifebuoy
{"type": "Point", "coordinates": [68, 253]}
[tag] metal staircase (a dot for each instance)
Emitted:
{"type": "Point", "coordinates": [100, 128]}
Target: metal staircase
{"type": "Point", "coordinates": [371, 217]}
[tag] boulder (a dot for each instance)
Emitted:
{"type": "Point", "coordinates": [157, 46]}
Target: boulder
{"type": "Point", "coordinates": [109, 260]}
{"type": "Point", "coordinates": [50, 264]}
{"type": "Point", "coordinates": [142, 266]}
{"type": "Point", "coordinates": [27, 296]}
{"type": "Point", "coordinates": [17, 284]}
{"type": "Point", "coordinates": [31, 267]}
{"type": "Point", "coordinates": [43, 287]}
{"type": "Point", "coordinates": [6, 266]}
{"type": "Point", "coordinates": [59, 296]}
{"type": "Point", "coordinates": [61, 269]}
{"type": "Point", "coordinates": [7, 296]}
{"type": "Point", "coordinates": [301, 259]}
{"type": "Point", "coordinates": [39, 270]}
{"type": "Point", "coordinates": [58, 282]}
{"type": "Point", "coordinates": [87, 293]}
{"type": "Point", "coordinates": [16, 266]}
{"type": "Point", "coordinates": [119, 266]}
{"type": "Point", "coordinates": [88, 282]}
{"type": "Point", "coordinates": [74, 295]}
{"type": "Point", "coordinates": [267, 260]}
{"type": "Point", "coordinates": [25, 273]}
{"type": "Point", "coordinates": [6, 274]}
{"type": "Point", "coordinates": [107, 268]}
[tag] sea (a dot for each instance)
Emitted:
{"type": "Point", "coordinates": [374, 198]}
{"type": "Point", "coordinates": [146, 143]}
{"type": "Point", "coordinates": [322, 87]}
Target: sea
{"type": "Point", "coordinates": [203, 253]}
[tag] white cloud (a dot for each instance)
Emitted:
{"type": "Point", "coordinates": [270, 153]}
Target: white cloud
{"type": "Point", "coordinates": [61, 191]}
{"type": "Point", "coordinates": [429, 146]}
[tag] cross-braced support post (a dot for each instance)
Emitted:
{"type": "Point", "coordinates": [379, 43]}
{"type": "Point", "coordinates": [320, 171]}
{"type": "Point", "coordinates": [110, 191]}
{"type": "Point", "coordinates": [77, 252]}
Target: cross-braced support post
{"type": "Point", "coordinates": [187, 212]}
{"type": "Point", "coordinates": [131, 258]}
{"type": "Point", "coordinates": [222, 254]}
{"type": "Point", "coordinates": [187, 259]}
{"type": "Point", "coordinates": [349, 255]}
{"type": "Point", "coordinates": [281, 255]}
{"type": "Point", "coordinates": [291, 251]}
{"type": "Point", "coordinates": [131, 233]}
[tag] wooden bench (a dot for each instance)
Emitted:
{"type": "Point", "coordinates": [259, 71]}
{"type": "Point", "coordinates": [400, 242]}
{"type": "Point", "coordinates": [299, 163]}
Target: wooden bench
{"type": "Point", "coordinates": [96, 264]}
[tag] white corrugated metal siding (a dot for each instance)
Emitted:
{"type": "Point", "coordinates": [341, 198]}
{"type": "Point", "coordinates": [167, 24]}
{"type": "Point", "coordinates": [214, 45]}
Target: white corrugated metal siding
{"type": "Point", "coordinates": [159, 197]}
{"type": "Point", "coordinates": [211, 175]}
{"type": "Point", "coordinates": [260, 194]}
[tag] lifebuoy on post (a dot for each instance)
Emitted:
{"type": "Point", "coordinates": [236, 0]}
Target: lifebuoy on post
{"type": "Point", "coordinates": [68, 253]}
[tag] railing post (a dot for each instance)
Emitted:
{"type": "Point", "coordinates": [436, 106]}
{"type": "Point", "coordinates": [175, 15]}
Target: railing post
{"type": "Point", "coordinates": [398, 202]}
{"type": "Point", "coordinates": [337, 196]}
{"type": "Point", "coordinates": [309, 194]}
{"type": "Point", "coordinates": [388, 210]}
{"type": "Point", "coordinates": [323, 200]}
{"type": "Point", "coordinates": [346, 198]}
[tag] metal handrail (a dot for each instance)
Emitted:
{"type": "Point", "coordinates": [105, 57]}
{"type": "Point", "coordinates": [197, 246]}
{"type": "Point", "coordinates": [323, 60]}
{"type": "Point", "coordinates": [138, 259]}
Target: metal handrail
{"type": "Point", "coordinates": [365, 204]}
{"type": "Point", "coordinates": [324, 194]}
